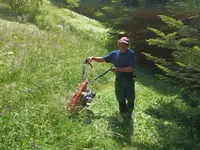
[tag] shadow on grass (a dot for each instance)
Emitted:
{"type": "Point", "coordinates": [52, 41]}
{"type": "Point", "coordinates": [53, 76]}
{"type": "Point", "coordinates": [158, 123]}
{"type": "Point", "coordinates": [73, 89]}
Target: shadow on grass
{"type": "Point", "coordinates": [149, 79]}
{"type": "Point", "coordinates": [122, 131]}
{"type": "Point", "coordinates": [178, 128]}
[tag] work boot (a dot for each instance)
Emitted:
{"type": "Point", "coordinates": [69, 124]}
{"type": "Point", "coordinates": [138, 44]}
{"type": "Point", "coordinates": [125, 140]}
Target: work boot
{"type": "Point", "coordinates": [128, 116]}
{"type": "Point", "coordinates": [123, 115]}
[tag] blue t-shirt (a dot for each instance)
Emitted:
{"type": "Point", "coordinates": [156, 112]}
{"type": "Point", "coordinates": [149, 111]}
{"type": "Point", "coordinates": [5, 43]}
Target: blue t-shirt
{"type": "Point", "coordinates": [121, 60]}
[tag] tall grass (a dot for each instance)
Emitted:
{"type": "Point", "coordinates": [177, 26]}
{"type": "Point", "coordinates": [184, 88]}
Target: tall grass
{"type": "Point", "coordinates": [39, 72]}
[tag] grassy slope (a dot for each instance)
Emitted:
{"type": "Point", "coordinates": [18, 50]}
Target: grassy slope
{"type": "Point", "coordinates": [44, 69]}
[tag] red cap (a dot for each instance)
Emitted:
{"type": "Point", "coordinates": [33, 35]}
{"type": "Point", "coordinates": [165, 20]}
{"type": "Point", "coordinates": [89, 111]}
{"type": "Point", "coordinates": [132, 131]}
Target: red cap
{"type": "Point", "coordinates": [124, 40]}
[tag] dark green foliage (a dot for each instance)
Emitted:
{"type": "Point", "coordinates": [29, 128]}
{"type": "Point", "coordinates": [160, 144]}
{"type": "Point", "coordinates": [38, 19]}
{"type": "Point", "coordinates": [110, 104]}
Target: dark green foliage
{"type": "Point", "coordinates": [72, 3]}
{"type": "Point", "coordinates": [192, 96]}
{"type": "Point", "coordinates": [26, 8]}
{"type": "Point", "coordinates": [184, 64]}
{"type": "Point", "coordinates": [90, 8]}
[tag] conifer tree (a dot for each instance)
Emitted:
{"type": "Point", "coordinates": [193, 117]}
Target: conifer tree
{"type": "Point", "coordinates": [184, 64]}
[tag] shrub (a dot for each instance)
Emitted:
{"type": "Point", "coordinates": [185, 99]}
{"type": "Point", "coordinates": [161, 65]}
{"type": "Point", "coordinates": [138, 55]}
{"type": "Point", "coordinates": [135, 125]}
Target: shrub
{"type": "Point", "coordinates": [28, 8]}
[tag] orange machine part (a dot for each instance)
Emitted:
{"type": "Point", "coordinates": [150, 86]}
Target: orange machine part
{"type": "Point", "coordinates": [72, 103]}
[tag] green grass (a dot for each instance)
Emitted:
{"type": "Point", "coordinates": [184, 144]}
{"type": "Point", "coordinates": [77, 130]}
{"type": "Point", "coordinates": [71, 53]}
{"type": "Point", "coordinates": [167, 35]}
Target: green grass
{"type": "Point", "coordinates": [39, 71]}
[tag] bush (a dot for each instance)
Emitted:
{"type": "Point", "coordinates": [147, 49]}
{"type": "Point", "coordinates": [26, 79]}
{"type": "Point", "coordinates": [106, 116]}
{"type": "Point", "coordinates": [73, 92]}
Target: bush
{"type": "Point", "coordinates": [28, 8]}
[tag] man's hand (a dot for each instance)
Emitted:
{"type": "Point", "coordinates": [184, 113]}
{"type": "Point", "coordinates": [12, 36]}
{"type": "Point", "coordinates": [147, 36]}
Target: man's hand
{"type": "Point", "coordinates": [89, 59]}
{"type": "Point", "coordinates": [97, 59]}
{"type": "Point", "coordinates": [114, 69]}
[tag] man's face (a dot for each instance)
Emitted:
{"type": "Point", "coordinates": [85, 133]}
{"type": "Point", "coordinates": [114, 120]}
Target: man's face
{"type": "Point", "coordinates": [123, 46]}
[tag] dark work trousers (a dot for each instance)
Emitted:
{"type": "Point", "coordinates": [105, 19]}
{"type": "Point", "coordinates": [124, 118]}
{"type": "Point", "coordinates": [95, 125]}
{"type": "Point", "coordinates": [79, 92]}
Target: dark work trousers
{"type": "Point", "coordinates": [125, 94]}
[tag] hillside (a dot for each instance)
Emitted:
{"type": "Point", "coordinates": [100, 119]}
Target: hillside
{"type": "Point", "coordinates": [40, 68]}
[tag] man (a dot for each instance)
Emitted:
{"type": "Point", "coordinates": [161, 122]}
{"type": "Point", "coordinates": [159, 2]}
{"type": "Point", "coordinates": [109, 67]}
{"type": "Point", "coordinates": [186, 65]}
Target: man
{"type": "Point", "coordinates": [124, 62]}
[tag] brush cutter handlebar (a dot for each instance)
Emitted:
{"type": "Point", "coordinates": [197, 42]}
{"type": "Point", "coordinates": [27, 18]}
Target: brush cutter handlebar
{"type": "Point", "coordinates": [101, 75]}
{"type": "Point", "coordinates": [85, 61]}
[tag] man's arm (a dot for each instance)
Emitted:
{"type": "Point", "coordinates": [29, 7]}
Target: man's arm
{"type": "Point", "coordinates": [125, 69]}
{"type": "Point", "coordinates": [97, 59]}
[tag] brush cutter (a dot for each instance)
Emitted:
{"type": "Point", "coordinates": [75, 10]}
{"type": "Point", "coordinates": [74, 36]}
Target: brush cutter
{"type": "Point", "coordinates": [83, 95]}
